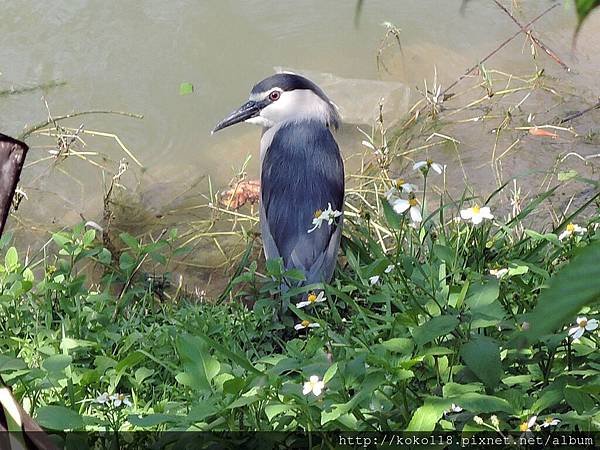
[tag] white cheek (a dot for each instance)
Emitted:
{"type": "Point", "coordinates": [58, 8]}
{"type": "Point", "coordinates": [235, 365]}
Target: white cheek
{"type": "Point", "coordinates": [260, 120]}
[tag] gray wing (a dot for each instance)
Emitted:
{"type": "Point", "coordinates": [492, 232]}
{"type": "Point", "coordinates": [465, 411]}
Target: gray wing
{"type": "Point", "coordinates": [302, 171]}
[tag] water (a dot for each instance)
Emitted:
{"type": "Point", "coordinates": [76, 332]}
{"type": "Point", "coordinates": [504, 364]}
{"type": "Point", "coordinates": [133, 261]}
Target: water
{"type": "Point", "coordinates": [133, 56]}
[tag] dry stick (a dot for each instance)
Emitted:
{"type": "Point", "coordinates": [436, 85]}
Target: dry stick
{"type": "Point", "coordinates": [500, 47]}
{"type": "Point", "coordinates": [45, 123]}
{"type": "Point", "coordinates": [552, 54]}
{"type": "Point", "coordinates": [580, 113]}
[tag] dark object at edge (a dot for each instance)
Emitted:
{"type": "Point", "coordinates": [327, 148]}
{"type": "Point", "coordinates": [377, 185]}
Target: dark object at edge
{"type": "Point", "coordinates": [12, 157]}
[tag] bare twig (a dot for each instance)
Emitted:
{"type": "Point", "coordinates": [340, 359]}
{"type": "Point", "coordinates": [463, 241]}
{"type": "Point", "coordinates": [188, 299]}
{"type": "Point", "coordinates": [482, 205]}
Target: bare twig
{"type": "Point", "coordinates": [580, 113]}
{"type": "Point", "coordinates": [525, 29]}
{"type": "Point", "coordinates": [500, 47]}
{"type": "Point", "coordinates": [45, 123]}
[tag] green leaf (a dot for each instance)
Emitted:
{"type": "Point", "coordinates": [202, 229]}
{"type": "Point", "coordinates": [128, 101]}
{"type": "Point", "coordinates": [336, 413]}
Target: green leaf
{"type": "Point", "coordinates": [130, 241]}
{"type": "Point", "coordinates": [59, 418]}
{"type": "Point", "coordinates": [70, 344]}
{"type": "Point", "coordinates": [330, 373]}
{"type": "Point", "coordinates": [444, 253]}
{"type": "Point", "coordinates": [11, 259]}
{"type": "Point", "coordinates": [186, 88]}
{"type": "Point", "coordinates": [549, 398]}
{"type": "Point", "coordinates": [275, 267]}
{"type": "Point", "coordinates": [584, 8]}
{"type": "Point", "coordinates": [8, 364]}
{"type": "Point", "coordinates": [569, 290]}
{"type": "Point", "coordinates": [199, 366]}
{"type": "Point", "coordinates": [482, 355]}
{"type": "Point", "coordinates": [578, 400]}
{"type": "Point", "coordinates": [338, 410]}
{"type": "Point", "coordinates": [398, 345]}
{"type": "Point", "coordinates": [242, 361]}
{"type": "Point", "coordinates": [482, 404]}
{"type": "Point", "coordinates": [89, 237]}
{"type": "Point", "coordinates": [57, 363]}
{"type": "Point", "coordinates": [481, 295]}
{"type": "Point", "coordinates": [427, 416]}
{"type": "Point", "coordinates": [436, 327]}
{"type": "Point", "coordinates": [275, 409]}
{"type": "Point", "coordinates": [391, 217]}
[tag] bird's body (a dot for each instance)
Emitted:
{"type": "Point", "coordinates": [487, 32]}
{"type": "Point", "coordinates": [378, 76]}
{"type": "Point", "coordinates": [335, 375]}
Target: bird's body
{"type": "Point", "coordinates": [302, 173]}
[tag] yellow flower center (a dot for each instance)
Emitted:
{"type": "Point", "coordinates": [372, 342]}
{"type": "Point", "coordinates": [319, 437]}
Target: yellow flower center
{"type": "Point", "coordinates": [429, 162]}
{"type": "Point", "coordinates": [476, 209]}
{"type": "Point", "coordinates": [524, 426]}
{"type": "Point", "coordinates": [412, 201]}
{"type": "Point", "coordinates": [570, 228]}
{"type": "Point", "coordinates": [318, 213]}
{"type": "Point", "coordinates": [583, 323]}
{"type": "Point", "coordinates": [305, 323]}
{"type": "Point", "coordinates": [312, 297]}
{"type": "Point", "coordinates": [399, 183]}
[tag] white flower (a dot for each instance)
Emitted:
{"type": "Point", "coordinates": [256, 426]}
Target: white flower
{"type": "Point", "coordinates": [120, 399]}
{"type": "Point", "coordinates": [400, 185]}
{"type": "Point", "coordinates": [389, 268]}
{"type": "Point", "coordinates": [476, 214]}
{"type": "Point", "coordinates": [424, 166]}
{"type": "Point", "coordinates": [329, 215]}
{"type": "Point", "coordinates": [312, 298]}
{"type": "Point", "coordinates": [570, 230]}
{"type": "Point", "coordinates": [527, 426]}
{"type": "Point", "coordinates": [374, 279]}
{"type": "Point", "coordinates": [550, 422]}
{"type": "Point", "coordinates": [583, 325]}
{"type": "Point", "coordinates": [478, 420]}
{"type": "Point", "coordinates": [103, 398]}
{"type": "Point", "coordinates": [313, 385]}
{"type": "Point", "coordinates": [498, 273]}
{"type": "Point", "coordinates": [400, 206]}
{"type": "Point", "coordinates": [453, 409]}
{"type": "Point", "coordinates": [306, 324]}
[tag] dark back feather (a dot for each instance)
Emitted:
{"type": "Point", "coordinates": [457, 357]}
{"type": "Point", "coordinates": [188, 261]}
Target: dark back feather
{"type": "Point", "coordinates": [302, 172]}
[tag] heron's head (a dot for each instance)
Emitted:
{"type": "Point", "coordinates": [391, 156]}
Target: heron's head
{"type": "Point", "coordinates": [284, 97]}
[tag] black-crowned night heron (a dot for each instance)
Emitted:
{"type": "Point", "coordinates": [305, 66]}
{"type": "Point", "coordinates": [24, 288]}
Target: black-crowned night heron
{"type": "Point", "coordinates": [302, 173]}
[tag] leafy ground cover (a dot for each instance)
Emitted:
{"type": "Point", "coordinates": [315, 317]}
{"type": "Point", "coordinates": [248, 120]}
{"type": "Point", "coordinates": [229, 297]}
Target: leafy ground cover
{"type": "Point", "coordinates": [461, 321]}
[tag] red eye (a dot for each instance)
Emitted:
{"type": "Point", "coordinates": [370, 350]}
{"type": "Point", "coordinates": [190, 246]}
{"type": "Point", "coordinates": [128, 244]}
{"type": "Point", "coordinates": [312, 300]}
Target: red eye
{"type": "Point", "coordinates": [274, 96]}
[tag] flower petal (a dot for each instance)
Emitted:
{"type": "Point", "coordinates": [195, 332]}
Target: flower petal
{"type": "Point", "coordinates": [591, 325]}
{"type": "Point", "coordinates": [400, 205]}
{"type": "Point", "coordinates": [466, 214]}
{"type": "Point", "coordinates": [437, 167]}
{"type": "Point", "coordinates": [476, 219]}
{"type": "Point", "coordinates": [486, 213]}
{"type": "Point", "coordinates": [419, 165]}
{"type": "Point", "coordinates": [415, 214]}
{"type": "Point", "coordinates": [578, 333]}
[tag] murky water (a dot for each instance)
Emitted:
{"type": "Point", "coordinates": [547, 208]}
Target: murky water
{"type": "Point", "coordinates": [133, 56]}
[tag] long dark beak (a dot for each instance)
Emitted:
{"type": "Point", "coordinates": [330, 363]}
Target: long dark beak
{"type": "Point", "coordinates": [246, 111]}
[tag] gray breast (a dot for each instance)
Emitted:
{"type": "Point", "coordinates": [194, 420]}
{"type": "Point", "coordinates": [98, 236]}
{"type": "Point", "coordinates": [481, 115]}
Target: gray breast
{"type": "Point", "coordinates": [302, 171]}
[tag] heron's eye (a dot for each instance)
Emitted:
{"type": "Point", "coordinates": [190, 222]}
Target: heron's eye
{"type": "Point", "coordinates": [274, 96]}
